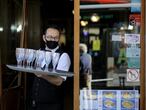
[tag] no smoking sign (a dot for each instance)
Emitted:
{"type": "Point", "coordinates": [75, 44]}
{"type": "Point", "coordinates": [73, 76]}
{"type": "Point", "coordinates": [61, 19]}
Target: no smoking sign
{"type": "Point", "coordinates": [133, 75]}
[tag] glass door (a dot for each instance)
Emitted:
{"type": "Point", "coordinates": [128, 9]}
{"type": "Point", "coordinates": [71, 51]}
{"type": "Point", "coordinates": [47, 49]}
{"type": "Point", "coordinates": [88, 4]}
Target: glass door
{"type": "Point", "coordinates": [10, 34]}
{"type": "Point", "coordinates": [110, 54]}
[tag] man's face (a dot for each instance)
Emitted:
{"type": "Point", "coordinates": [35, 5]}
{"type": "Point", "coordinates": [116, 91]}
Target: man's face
{"type": "Point", "coordinates": [52, 35]}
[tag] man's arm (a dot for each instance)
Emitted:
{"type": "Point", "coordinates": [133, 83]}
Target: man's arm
{"type": "Point", "coordinates": [63, 64]}
{"type": "Point", "coordinates": [56, 80]}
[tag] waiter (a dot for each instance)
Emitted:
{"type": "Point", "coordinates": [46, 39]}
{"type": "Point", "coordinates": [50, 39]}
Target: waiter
{"type": "Point", "coordinates": [47, 91]}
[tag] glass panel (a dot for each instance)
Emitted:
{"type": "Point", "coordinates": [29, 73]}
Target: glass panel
{"type": "Point", "coordinates": [111, 32]}
{"type": "Point", "coordinates": [10, 33]}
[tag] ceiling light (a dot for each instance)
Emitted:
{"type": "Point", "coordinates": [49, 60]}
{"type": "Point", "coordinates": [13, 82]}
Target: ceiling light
{"type": "Point", "coordinates": [1, 29]}
{"type": "Point", "coordinates": [84, 23]}
{"type": "Point", "coordinates": [19, 28]}
{"type": "Point", "coordinates": [122, 28]}
{"type": "Point", "coordinates": [130, 27]}
{"type": "Point", "coordinates": [95, 18]}
{"type": "Point", "coordinates": [73, 12]}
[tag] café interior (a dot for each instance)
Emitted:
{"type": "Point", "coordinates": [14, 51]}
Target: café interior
{"type": "Point", "coordinates": [116, 27]}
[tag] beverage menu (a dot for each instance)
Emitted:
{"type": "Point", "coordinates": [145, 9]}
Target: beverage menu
{"type": "Point", "coordinates": [109, 100]}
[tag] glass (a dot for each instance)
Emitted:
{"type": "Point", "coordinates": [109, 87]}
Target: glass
{"type": "Point", "coordinates": [26, 55]}
{"type": "Point", "coordinates": [40, 55]}
{"type": "Point", "coordinates": [20, 52]}
{"type": "Point", "coordinates": [55, 59]}
{"type": "Point", "coordinates": [48, 57]}
{"type": "Point", "coordinates": [30, 53]}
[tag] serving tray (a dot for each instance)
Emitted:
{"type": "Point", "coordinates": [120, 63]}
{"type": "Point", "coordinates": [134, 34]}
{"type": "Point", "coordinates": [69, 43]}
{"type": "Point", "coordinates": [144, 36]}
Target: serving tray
{"type": "Point", "coordinates": [40, 71]}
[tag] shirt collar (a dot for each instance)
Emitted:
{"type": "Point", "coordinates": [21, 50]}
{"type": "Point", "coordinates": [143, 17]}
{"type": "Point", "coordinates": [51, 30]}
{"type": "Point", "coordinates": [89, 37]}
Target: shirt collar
{"type": "Point", "coordinates": [52, 50]}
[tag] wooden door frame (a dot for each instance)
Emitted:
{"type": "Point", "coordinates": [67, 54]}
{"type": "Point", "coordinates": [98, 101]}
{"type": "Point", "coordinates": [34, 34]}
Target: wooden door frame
{"type": "Point", "coordinates": [142, 69]}
{"type": "Point", "coordinates": [76, 54]}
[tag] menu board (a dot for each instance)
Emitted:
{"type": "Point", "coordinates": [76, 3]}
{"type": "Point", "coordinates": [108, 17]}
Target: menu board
{"type": "Point", "coordinates": [109, 100]}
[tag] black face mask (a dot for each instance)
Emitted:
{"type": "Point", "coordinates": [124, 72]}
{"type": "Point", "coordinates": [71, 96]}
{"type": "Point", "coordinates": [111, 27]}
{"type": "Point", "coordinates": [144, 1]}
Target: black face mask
{"type": "Point", "coordinates": [51, 44]}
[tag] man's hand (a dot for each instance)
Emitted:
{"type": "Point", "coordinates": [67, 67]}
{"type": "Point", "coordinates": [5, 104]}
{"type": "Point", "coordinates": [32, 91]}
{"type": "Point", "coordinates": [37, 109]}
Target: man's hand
{"type": "Point", "coordinates": [38, 75]}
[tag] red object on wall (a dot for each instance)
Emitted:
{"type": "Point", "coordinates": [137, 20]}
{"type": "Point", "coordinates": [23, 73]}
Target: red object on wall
{"type": "Point", "coordinates": [135, 19]}
{"type": "Point", "coordinates": [106, 1]}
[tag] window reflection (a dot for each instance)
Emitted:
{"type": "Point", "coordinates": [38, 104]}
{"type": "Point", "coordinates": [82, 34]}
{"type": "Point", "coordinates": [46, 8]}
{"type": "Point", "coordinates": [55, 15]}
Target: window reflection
{"type": "Point", "coordinates": [113, 42]}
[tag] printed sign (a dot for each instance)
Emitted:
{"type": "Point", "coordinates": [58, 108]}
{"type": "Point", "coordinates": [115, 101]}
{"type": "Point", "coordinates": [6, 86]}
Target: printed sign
{"type": "Point", "coordinates": [116, 38]}
{"type": "Point", "coordinates": [88, 100]}
{"type": "Point", "coordinates": [133, 52]}
{"type": "Point", "coordinates": [132, 38]}
{"type": "Point", "coordinates": [109, 100]}
{"type": "Point", "coordinates": [135, 19]}
{"type": "Point", "coordinates": [133, 75]}
{"type": "Point", "coordinates": [133, 62]}
{"type": "Point", "coordinates": [136, 8]}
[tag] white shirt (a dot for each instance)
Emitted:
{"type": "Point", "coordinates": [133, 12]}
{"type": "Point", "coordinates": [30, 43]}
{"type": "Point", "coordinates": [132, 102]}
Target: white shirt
{"type": "Point", "coordinates": [63, 63]}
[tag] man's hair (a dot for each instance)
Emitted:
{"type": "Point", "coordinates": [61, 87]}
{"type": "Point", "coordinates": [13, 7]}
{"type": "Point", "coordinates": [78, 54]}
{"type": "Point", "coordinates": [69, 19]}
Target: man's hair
{"type": "Point", "coordinates": [54, 27]}
{"type": "Point", "coordinates": [83, 47]}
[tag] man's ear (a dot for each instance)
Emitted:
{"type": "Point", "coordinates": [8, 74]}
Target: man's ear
{"type": "Point", "coordinates": [44, 38]}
